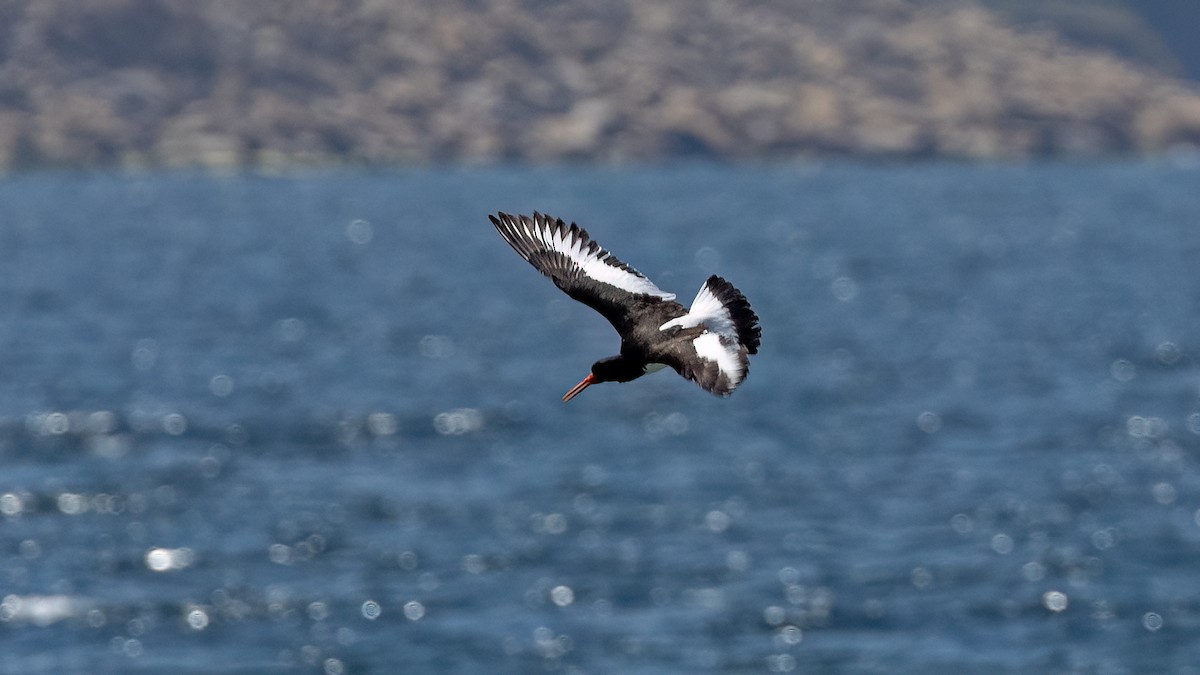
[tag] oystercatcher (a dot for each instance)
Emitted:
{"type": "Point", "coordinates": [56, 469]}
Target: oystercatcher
{"type": "Point", "coordinates": [709, 344]}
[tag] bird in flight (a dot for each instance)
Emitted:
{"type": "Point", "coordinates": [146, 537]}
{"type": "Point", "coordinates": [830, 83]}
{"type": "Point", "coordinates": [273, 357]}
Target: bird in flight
{"type": "Point", "coordinates": [709, 344]}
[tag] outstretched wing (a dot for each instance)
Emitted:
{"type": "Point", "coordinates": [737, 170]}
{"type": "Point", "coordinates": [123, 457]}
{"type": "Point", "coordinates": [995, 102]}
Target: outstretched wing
{"type": "Point", "coordinates": [580, 267]}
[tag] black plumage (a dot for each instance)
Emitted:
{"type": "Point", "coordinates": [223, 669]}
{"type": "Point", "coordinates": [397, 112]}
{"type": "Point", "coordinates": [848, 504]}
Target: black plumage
{"type": "Point", "coordinates": [708, 345]}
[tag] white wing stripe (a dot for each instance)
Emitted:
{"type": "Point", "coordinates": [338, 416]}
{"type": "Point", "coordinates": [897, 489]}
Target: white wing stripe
{"type": "Point", "coordinates": [593, 265]}
{"type": "Point", "coordinates": [708, 347]}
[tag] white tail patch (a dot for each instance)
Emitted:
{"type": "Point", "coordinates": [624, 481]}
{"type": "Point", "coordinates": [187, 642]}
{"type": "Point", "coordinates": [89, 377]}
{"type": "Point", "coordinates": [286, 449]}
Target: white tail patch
{"type": "Point", "coordinates": [708, 311]}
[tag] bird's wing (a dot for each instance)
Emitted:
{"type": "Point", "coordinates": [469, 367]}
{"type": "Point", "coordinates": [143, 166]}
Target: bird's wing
{"type": "Point", "coordinates": [580, 267]}
{"type": "Point", "coordinates": [716, 337]}
{"type": "Point", "coordinates": [721, 308]}
{"type": "Point", "coordinates": [715, 361]}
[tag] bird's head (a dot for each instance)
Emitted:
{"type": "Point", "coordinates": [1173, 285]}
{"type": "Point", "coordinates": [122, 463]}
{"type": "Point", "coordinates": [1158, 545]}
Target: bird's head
{"type": "Point", "coordinates": [611, 369]}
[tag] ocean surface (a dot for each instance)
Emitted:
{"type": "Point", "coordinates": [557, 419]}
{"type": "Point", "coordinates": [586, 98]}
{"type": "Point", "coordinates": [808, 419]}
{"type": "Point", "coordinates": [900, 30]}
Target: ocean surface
{"type": "Point", "coordinates": [310, 422]}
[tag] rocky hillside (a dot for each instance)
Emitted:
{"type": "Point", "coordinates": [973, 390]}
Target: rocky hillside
{"type": "Point", "coordinates": [1158, 33]}
{"type": "Point", "coordinates": [179, 82]}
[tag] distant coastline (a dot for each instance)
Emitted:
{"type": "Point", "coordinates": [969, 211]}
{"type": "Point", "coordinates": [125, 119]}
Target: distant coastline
{"type": "Point", "coordinates": [159, 83]}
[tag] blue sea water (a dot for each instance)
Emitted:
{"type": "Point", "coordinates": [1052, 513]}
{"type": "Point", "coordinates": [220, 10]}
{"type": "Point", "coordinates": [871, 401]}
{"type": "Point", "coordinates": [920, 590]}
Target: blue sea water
{"type": "Point", "coordinates": [310, 422]}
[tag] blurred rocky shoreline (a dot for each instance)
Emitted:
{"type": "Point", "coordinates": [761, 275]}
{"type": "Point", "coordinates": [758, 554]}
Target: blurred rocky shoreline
{"type": "Point", "coordinates": [286, 82]}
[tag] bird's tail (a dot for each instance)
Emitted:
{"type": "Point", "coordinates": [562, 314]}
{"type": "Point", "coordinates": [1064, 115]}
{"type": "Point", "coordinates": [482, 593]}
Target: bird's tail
{"type": "Point", "coordinates": [722, 309]}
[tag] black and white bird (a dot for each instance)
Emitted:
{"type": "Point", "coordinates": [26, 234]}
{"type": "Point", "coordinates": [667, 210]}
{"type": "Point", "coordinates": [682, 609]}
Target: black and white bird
{"type": "Point", "coordinates": [709, 344]}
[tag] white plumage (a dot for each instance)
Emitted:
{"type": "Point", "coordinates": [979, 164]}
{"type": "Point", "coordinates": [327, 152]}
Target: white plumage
{"type": "Point", "coordinates": [719, 344]}
{"type": "Point", "coordinates": [725, 353]}
{"type": "Point", "coordinates": [706, 309]}
{"type": "Point", "coordinates": [591, 263]}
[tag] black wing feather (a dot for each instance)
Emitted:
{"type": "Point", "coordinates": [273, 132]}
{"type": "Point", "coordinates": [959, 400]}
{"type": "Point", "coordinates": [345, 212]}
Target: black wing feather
{"type": "Point", "coordinates": [620, 306]}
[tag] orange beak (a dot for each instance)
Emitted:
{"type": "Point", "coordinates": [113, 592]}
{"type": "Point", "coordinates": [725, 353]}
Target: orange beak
{"type": "Point", "coordinates": [587, 382]}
